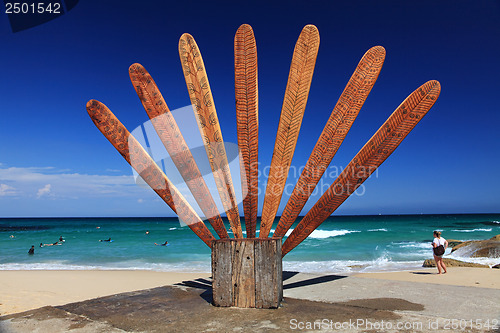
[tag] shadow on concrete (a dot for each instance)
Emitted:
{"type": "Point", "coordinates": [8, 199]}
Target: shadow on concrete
{"type": "Point", "coordinates": [313, 281]}
{"type": "Point", "coordinates": [287, 275]}
{"type": "Point", "coordinates": [200, 283]}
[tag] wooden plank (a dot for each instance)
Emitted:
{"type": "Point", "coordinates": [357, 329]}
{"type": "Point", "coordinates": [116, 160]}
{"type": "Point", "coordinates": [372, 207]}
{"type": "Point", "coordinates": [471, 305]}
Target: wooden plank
{"type": "Point", "coordinates": [132, 151]}
{"type": "Point", "coordinates": [343, 115]}
{"type": "Point", "coordinates": [367, 160]}
{"type": "Point", "coordinates": [170, 135]}
{"type": "Point", "coordinates": [208, 123]}
{"type": "Point", "coordinates": [268, 273]}
{"type": "Point", "coordinates": [292, 112]}
{"type": "Point", "coordinates": [247, 121]}
{"type": "Point", "coordinates": [222, 285]}
{"type": "Point", "coordinates": [243, 274]}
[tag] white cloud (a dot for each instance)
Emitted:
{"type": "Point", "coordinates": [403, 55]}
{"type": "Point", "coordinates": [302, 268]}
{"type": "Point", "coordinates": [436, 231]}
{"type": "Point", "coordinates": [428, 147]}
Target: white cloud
{"type": "Point", "coordinates": [43, 191]}
{"type": "Point", "coordinates": [6, 190]}
{"type": "Point", "coordinates": [65, 185]}
{"type": "Point", "coordinates": [140, 200]}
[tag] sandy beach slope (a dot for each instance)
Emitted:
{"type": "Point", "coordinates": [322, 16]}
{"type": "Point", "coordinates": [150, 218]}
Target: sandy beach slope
{"type": "Point", "coordinates": [26, 290]}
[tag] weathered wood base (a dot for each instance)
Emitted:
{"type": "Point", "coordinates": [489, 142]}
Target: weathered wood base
{"type": "Point", "coordinates": [247, 273]}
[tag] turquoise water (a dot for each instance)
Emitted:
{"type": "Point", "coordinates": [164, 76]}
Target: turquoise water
{"type": "Point", "coordinates": [369, 243]}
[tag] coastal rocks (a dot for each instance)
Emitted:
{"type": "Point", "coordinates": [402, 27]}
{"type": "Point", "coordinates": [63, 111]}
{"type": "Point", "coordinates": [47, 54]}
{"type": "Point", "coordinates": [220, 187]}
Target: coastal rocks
{"type": "Point", "coordinates": [485, 248]}
{"type": "Point", "coordinates": [454, 242]}
{"type": "Point", "coordinates": [453, 263]}
{"type": "Point", "coordinates": [497, 266]}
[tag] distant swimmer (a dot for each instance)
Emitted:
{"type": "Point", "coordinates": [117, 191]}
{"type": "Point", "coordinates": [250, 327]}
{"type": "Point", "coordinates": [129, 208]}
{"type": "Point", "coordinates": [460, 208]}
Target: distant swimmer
{"type": "Point", "coordinates": [41, 244]}
{"type": "Point", "coordinates": [32, 250]}
{"type": "Point", "coordinates": [105, 240]}
{"type": "Point", "coordinates": [12, 236]}
{"type": "Point", "coordinates": [147, 232]}
{"type": "Point", "coordinates": [164, 244]}
{"type": "Point", "coordinates": [61, 239]}
{"type": "Point", "coordinates": [56, 243]}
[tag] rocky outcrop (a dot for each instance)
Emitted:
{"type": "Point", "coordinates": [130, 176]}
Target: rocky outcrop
{"type": "Point", "coordinates": [453, 263]}
{"type": "Point", "coordinates": [485, 248]}
{"type": "Point", "coordinates": [454, 242]}
{"type": "Point", "coordinates": [497, 266]}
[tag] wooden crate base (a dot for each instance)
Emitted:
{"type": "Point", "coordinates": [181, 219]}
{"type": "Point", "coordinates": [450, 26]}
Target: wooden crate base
{"type": "Point", "coordinates": [247, 273]}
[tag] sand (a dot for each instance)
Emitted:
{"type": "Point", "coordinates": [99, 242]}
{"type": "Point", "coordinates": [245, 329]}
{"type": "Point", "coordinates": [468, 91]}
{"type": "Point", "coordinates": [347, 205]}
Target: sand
{"type": "Point", "coordinates": [26, 290]}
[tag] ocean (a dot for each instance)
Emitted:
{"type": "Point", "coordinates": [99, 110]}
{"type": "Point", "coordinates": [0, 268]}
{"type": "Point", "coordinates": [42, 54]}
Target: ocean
{"type": "Point", "coordinates": [342, 244]}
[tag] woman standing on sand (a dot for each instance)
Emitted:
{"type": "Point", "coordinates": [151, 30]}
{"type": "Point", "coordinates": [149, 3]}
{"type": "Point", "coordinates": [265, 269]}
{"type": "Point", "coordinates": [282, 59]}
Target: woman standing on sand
{"type": "Point", "coordinates": [439, 245]}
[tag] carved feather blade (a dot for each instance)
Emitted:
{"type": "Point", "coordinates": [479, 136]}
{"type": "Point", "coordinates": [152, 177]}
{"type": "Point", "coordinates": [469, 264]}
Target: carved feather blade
{"type": "Point", "coordinates": [247, 117]}
{"type": "Point", "coordinates": [170, 135]}
{"type": "Point", "coordinates": [292, 112]}
{"type": "Point", "coordinates": [368, 159]}
{"type": "Point", "coordinates": [208, 123]}
{"type": "Point", "coordinates": [137, 157]}
{"type": "Point", "coordinates": [342, 117]}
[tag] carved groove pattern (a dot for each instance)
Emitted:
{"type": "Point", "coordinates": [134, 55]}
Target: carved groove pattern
{"type": "Point", "coordinates": [247, 118]}
{"type": "Point", "coordinates": [208, 123]}
{"type": "Point", "coordinates": [171, 137]}
{"type": "Point", "coordinates": [342, 117]}
{"type": "Point", "coordinates": [130, 148]}
{"type": "Point", "coordinates": [373, 153]}
{"type": "Point", "coordinates": [294, 104]}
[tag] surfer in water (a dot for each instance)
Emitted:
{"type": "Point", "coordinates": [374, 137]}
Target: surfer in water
{"type": "Point", "coordinates": [163, 244]}
{"type": "Point", "coordinates": [105, 240]}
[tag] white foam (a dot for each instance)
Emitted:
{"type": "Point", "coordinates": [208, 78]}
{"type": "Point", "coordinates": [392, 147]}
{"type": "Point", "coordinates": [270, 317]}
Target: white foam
{"type": "Point", "coordinates": [473, 230]}
{"type": "Point", "coordinates": [382, 229]}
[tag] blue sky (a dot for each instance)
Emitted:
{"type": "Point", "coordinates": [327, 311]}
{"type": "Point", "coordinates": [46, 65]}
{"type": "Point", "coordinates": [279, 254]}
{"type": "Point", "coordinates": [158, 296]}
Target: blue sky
{"type": "Point", "coordinates": [54, 162]}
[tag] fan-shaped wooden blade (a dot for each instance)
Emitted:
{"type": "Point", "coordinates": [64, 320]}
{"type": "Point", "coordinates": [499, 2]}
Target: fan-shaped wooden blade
{"type": "Point", "coordinates": [343, 115]}
{"type": "Point", "coordinates": [369, 158]}
{"type": "Point", "coordinates": [171, 137]}
{"type": "Point", "coordinates": [137, 157]}
{"type": "Point", "coordinates": [294, 104]}
{"type": "Point", "coordinates": [247, 118]}
{"type": "Point", "coordinates": [208, 123]}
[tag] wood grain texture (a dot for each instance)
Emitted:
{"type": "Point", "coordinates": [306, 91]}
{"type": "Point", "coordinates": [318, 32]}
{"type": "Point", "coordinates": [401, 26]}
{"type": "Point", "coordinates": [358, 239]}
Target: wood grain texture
{"type": "Point", "coordinates": [342, 117]}
{"type": "Point", "coordinates": [247, 119]}
{"type": "Point", "coordinates": [137, 157]}
{"type": "Point", "coordinates": [292, 112]}
{"type": "Point", "coordinates": [208, 123]}
{"type": "Point", "coordinates": [373, 153]}
{"type": "Point", "coordinates": [222, 271]}
{"type": "Point", "coordinates": [170, 135]}
{"type": "Point", "coordinates": [243, 275]}
{"type": "Point", "coordinates": [247, 272]}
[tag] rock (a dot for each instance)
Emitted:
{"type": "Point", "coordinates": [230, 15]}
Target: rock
{"type": "Point", "coordinates": [453, 242]}
{"type": "Point", "coordinates": [453, 263]}
{"type": "Point", "coordinates": [485, 248]}
{"type": "Point", "coordinates": [496, 266]}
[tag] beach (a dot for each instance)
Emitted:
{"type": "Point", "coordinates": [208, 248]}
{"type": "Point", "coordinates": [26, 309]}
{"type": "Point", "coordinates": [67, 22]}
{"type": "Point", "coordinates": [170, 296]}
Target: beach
{"type": "Point", "coordinates": [467, 294]}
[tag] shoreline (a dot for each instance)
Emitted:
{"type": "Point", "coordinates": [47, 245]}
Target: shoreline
{"type": "Point", "coordinates": [22, 290]}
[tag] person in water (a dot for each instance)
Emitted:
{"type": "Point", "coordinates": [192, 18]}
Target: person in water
{"type": "Point", "coordinates": [32, 250]}
{"type": "Point", "coordinates": [61, 239]}
{"type": "Point", "coordinates": [164, 244]}
{"type": "Point", "coordinates": [105, 240]}
{"type": "Point", "coordinates": [56, 243]}
{"type": "Point", "coordinates": [438, 241]}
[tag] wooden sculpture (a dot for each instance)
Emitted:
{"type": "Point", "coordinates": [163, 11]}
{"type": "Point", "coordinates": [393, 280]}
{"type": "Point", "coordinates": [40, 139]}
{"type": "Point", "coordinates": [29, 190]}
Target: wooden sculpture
{"type": "Point", "coordinates": [247, 271]}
